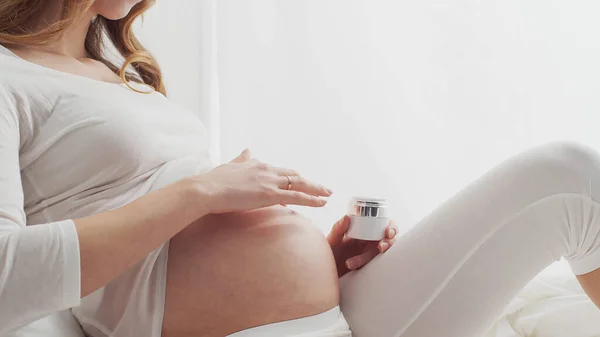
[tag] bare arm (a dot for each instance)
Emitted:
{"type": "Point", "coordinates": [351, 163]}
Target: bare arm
{"type": "Point", "coordinates": [112, 242]}
{"type": "Point", "coordinates": [49, 267]}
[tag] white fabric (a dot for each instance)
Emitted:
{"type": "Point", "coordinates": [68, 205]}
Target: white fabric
{"type": "Point", "coordinates": [328, 324]}
{"type": "Point", "coordinates": [454, 273]}
{"type": "Point", "coordinates": [61, 324]}
{"type": "Point", "coordinates": [552, 305]}
{"type": "Point", "coordinates": [70, 147]}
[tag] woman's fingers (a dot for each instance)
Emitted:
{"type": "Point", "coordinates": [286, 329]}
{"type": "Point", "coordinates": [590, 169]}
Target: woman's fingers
{"type": "Point", "coordinates": [390, 233]}
{"type": "Point", "coordinates": [362, 259]}
{"type": "Point", "coordinates": [392, 230]}
{"type": "Point", "coordinates": [390, 238]}
{"type": "Point", "coordinates": [336, 236]}
{"type": "Point", "coordinates": [243, 157]}
{"type": "Point", "coordinates": [301, 184]}
{"type": "Point", "coordinates": [384, 245]}
{"type": "Point", "coordinates": [291, 178]}
{"type": "Point", "coordinates": [286, 172]}
{"type": "Point", "coordinates": [299, 198]}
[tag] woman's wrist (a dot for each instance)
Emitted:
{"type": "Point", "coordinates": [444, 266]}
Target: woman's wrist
{"type": "Point", "coordinates": [196, 195]}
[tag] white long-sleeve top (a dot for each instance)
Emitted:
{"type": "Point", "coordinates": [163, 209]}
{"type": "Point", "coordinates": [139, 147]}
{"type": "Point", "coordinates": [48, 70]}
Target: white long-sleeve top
{"type": "Point", "coordinates": [70, 147]}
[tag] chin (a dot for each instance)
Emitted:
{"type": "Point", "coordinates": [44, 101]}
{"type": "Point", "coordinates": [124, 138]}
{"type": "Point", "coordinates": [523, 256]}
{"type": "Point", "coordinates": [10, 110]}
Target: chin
{"type": "Point", "coordinates": [114, 9]}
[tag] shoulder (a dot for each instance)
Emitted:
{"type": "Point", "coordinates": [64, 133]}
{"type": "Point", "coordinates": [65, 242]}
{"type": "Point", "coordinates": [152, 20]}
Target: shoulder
{"type": "Point", "coordinates": [19, 79]}
{"type": "Point", "coordinates": [26, 96]}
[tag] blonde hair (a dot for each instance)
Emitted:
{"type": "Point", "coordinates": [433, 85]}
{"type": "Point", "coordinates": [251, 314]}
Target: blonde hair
{"type": "Point", "coordinates": [19, 18]}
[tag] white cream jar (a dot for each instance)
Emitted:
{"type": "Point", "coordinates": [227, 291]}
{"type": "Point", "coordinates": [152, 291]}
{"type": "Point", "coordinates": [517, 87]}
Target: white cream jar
{"type": "Point", "coordinates": [369, 218]}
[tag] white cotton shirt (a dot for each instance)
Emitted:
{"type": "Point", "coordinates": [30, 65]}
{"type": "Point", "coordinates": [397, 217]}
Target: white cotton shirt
{"type": "Point", "coordinates": [70, 147]}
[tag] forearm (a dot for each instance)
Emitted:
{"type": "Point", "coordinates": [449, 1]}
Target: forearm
{"type": "Point", "coordinates": [112, 242]}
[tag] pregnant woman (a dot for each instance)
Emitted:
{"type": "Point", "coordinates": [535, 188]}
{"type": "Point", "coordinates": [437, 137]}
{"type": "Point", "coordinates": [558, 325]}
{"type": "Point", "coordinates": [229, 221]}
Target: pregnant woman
{"type": "Point", "coordinates": [111, 213]}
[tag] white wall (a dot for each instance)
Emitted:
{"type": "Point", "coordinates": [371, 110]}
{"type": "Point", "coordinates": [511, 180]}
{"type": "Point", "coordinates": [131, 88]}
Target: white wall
{"type": "Point", "coordinates": [416, 97]}
{"type": "Point", "coordinates": [405, 99]}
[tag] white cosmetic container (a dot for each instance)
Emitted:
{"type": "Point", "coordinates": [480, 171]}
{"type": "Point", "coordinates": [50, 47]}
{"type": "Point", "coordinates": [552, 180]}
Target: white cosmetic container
{"type": "Point", "coordinates": [369, 218]}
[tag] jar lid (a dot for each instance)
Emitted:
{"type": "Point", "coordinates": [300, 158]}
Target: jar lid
{"type": "Point", "coordinates": [369, 207]}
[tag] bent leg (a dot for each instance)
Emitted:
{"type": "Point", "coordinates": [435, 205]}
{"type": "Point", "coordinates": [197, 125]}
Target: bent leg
{"type": "Point", "coordinates": [454, 273]}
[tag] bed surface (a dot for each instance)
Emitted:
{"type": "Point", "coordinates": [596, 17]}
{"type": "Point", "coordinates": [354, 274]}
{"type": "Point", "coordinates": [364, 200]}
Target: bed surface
{"type": "Point", "coordinates": [552, 305]}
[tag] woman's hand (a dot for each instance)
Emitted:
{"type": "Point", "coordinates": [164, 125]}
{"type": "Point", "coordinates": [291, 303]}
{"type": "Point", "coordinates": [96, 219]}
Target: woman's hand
{"type": "Point", "coordinates": [246, 184]}
{"type": "Point", "coordinates": [351, 254]}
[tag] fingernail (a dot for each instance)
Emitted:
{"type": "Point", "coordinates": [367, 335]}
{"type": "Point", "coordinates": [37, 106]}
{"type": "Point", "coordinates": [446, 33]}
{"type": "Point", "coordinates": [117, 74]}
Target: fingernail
{"type": "Point", "coordinates": [348, 265]}
{"type": "Point", "coordinates": [330, 191]}
{"type": "Point", "coordinates": [391, 233]}
{"type": "Point", "coordinates": [383, 246]}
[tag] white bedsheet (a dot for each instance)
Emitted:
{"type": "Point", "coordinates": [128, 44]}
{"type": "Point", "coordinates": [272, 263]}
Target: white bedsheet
{"type": "Point", "coordinates": [552, 305]}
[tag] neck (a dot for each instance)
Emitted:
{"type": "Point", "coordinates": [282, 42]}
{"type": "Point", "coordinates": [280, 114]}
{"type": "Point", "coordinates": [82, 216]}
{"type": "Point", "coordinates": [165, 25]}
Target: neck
{"type": "Point", "coordinates": [72, 44]}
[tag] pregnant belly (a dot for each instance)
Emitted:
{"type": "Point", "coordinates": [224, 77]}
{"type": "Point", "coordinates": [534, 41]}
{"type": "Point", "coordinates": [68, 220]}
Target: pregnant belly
{"type": "Point", "coordinates": [234, 271]}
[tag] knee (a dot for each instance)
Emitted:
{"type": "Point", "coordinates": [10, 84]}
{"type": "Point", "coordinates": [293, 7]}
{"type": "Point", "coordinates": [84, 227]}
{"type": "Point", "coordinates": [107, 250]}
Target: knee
{"type": "Point", "coordinates": [568, 159]}
{"type": "Point", "coordinates": [554, 168]}
{"type": "Point", "coordinates": [575, 153]}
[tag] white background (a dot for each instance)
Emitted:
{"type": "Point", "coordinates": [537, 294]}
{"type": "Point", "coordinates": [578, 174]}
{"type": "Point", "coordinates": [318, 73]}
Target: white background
{"type": "Point", "coordinates": [409, 100]}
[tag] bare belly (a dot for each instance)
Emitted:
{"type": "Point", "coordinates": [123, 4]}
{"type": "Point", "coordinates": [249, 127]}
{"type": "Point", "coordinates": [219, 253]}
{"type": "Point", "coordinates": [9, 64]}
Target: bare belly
{"type": "Point", "coordinates": [234, 271]}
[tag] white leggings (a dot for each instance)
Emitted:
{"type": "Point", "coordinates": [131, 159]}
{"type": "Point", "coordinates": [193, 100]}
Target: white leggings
{"type": "Point", "coordinates": [454, 272]}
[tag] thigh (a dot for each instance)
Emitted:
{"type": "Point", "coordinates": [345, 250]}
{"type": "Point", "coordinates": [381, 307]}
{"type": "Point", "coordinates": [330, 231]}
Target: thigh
{"type": "Point", "coordinates": [453, 273]}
